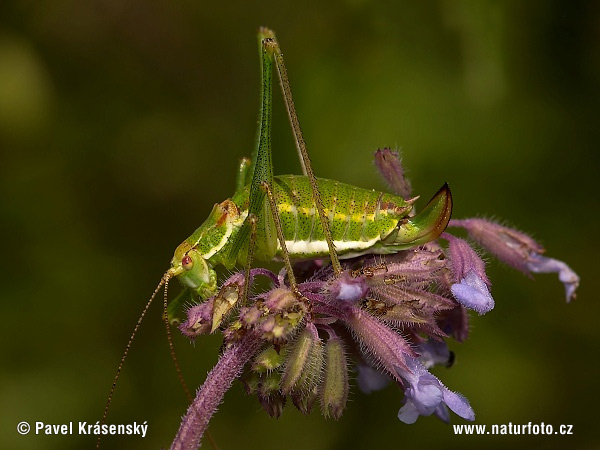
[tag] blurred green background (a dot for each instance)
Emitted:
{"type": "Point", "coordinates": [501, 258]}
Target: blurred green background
{"type": "Point", "coordinates": [121, 124]}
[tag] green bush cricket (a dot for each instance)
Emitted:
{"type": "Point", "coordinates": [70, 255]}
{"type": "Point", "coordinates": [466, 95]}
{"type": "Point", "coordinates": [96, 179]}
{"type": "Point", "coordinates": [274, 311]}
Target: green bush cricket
{"type": "Point", "coordinates": [289, 217]}
{"type": "Point", "coordinates": [307, 217]}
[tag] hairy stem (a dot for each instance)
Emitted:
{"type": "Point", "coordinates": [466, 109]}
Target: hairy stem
{"type": "Point", "coordinates": [211, 393]}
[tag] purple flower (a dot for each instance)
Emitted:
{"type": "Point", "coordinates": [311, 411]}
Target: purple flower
{"type": "Point", "coordinates": [518, 250]}
{"type": "Point", "coordinates": [348, 288]}
{"type": "Point", "coordinates": [199, 320]}
{"type": "Point", "coordinates": [471, 282]}
{"type": "Point", "coordinates": [473, 293]}
{"type": "Point", "coordinates": [391, 316]}
{"type": "Point", "coordinates": [432, 352]}
{"type": "Point", "coordinates": [426, 395]}
{"type": "Point", "coordinates": [542, 264]}
{"type": "Point", "coordinates": [299, 345]}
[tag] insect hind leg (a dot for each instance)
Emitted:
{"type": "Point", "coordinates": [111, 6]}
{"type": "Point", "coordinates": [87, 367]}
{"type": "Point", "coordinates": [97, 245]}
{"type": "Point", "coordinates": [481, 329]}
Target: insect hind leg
{"type": "Point", "coordinates": [271, 45]}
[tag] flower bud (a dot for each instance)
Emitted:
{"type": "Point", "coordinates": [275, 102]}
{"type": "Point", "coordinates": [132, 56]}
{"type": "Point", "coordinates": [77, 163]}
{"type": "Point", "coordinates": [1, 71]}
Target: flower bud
{"type": "Point", "coordinates": [304, 361]}
{"type": "Point", "coordinates": [412, 268]}
{"type": "Point", "coordinates": [250, 315]}
{"type": "Point", "coordinates": [276, 315]}
{"type": "Point", "coordinates": [234, 332]}
{"type": "Point", "coordinates": [305, 399]}
{"type": "Point", "coordinates": [390, 167]}
{"type": "Point", "coordinates": [267, 360]}
{"type": "Point", "coordinates": [280, 299]}
{"type": "Point", "coordinates": [312, 375]}
{"type": "Point", "coordinates": [199, 319]}
{"type": "Point", "coordinates": [470, 286]}
{"type": "Point", "coordinates": [251, 382]}
{"type": "Point", "coordinates": [334, 389]}
{"type": "Point", "coordinates": [269, 383]}
{"type": "Point", "coordinates": [510, 246]}
{"type": "Point", "coordinates": [269, 396]}
{"type": "Point", "coordinates": [273, 404]}
{"type": "Point", "coordinates": [348, 288]}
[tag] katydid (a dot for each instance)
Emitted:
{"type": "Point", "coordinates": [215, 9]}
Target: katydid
{"type": "Point", "coordinates": [292, 217]}
{"type": "Point", "coordinates": [318, 218]}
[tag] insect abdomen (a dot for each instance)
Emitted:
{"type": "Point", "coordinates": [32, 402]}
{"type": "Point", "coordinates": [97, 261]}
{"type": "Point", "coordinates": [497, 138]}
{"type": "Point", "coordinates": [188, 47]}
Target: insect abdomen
{"type": "Point", "coordinates": [358, 218]}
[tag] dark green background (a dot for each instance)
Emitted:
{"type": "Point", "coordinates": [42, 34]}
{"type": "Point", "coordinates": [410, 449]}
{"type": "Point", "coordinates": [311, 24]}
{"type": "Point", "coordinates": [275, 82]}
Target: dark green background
{"type": "Point", "coordinates": [121, 124]}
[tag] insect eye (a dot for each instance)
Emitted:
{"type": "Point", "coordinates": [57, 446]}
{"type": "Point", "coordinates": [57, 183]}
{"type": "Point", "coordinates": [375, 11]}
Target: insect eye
{"type": "Point", "coordinates": [187, 262]}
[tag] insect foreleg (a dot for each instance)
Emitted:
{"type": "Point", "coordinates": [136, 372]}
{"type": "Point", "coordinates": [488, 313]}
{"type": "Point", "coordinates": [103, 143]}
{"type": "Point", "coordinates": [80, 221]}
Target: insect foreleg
{"type": "Point", "coordinates": [251, 245]}
{"type": "Point", "coordinates": [230, 294]}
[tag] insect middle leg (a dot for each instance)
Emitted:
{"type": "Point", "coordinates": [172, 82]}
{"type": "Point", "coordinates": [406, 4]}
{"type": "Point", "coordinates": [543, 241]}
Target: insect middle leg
{"type": "Point", "coordinates": [284, 251]}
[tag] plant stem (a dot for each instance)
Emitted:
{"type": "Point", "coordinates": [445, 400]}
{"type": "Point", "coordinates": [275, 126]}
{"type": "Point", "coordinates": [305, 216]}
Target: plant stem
{"type": "Point", "coordinates": [211, 393]}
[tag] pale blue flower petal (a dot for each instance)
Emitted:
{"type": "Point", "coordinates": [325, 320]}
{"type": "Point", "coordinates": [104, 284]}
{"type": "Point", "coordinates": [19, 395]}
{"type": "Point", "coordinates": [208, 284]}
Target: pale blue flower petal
{"type": "Point", "coordinates": [408, 413]}
{"type": "Point", "coordinates": [473, 293]}
{"type": "Point", "coordinates": [458, 404]}
{"type": "Point", "coordinates": [442, 413]}
{"type": "Point", "coordinates": [426, 395]}
{"type": "Point", "coordinates": [370, 379]}
{"type": "Point", "coordinates": [542, 264]}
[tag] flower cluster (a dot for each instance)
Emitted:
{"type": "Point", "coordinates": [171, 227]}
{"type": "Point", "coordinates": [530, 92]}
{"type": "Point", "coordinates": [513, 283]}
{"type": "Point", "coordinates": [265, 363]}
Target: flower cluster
{"type": "Point", "coordinates": [386, 317]}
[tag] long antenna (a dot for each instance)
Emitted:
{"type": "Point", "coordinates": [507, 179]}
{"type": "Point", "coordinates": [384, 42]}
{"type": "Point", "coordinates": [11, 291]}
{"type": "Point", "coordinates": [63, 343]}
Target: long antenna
{"type": "Point", "coordinates": [164, 280]}
{"type": "Point", "coordinates": [172, 347]}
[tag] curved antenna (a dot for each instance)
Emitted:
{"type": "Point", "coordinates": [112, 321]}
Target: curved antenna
{"type": "Point", "coordinates": [164, 280]}
{"type": "Point", "coordinates": [170, 340]}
